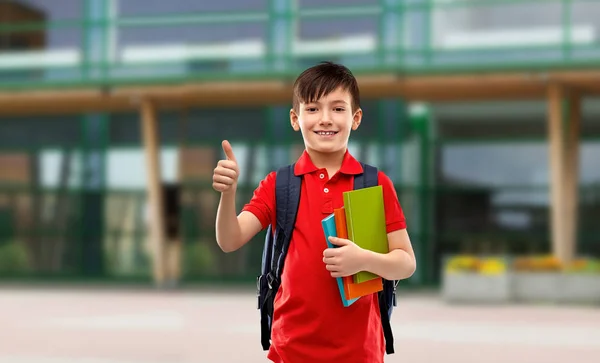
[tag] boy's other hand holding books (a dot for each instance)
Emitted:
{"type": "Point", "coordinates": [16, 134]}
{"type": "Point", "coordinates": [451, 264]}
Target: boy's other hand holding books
{"type": "Point", "coordinates": [344, 260]}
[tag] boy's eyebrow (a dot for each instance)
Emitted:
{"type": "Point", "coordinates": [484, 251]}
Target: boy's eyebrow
{"type": "Point", "coordinates": [334, 101]}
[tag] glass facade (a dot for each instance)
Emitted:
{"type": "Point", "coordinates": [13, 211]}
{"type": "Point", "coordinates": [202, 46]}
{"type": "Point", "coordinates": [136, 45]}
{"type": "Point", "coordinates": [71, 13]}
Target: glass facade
{"type": "Point", "coordinates": [470, 177]}
{"type": "Point", "coordinates": [45, 44]}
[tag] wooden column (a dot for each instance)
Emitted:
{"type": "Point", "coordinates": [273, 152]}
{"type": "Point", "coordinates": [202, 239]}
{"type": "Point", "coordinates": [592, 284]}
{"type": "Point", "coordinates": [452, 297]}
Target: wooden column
{"type": "Point", "coordinates": [564, 118]}
{"type": "Point", "coordinates": [572, 165]}
{"type": "Point", "coordinates": [155, 200]}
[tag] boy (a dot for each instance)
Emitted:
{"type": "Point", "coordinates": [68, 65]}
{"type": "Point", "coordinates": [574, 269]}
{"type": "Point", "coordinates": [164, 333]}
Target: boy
{"type": "Point", "coordinates": [307, 328]}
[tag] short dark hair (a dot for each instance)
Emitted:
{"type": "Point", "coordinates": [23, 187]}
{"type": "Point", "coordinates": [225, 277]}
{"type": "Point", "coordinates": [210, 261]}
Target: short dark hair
{"type": "Point", "coordinates": [321, 80]}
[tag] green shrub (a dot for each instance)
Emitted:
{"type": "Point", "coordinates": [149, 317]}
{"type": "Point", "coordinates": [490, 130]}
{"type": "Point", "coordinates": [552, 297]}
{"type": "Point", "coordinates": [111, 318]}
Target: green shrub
{"type": "Point", "coordinates": [13, 258]}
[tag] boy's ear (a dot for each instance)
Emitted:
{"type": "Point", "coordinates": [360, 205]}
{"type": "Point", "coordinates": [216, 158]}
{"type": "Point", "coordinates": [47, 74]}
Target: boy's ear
{"type": "Point", "coordinates": [294, 120]}
{"type": "Point", "coordinates": [356, 119]}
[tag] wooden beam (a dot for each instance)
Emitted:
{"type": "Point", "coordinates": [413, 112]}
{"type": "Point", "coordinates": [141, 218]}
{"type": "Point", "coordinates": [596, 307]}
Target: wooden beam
{"type": "Point", "coordinates": [440, 88]}
{"type": "Point", "coordinates": [564, 117]}
{"type": "Point", "coordinates": [155, 199]}
{"type": "Point", "coordinates": [51, 102]}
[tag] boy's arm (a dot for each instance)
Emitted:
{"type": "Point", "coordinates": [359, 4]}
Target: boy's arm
{"type": "Point", "coordinates": [232, 231]}
{"type": "Point", "coordinates": [348, 258]}
{"type": "Point", "coordinates": [398, 264]}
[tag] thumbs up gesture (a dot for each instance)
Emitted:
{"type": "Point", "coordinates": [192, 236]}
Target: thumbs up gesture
{"type": "Point", "coordinates": [226, 173]}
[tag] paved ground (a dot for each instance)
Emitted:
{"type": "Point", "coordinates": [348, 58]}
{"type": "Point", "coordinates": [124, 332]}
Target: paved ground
{"type": "Point", "coordinates": [111, 326]}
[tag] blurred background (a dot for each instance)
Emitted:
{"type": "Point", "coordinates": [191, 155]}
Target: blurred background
{"type": "Point", "coordinates": [484, 113]}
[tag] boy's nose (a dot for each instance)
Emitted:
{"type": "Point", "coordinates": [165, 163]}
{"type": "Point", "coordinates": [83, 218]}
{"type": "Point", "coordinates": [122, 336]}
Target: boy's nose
{"type": "Point", "coordinates": [326, 119]}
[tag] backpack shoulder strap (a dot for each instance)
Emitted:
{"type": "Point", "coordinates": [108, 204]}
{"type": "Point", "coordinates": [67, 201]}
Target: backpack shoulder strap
{"type": "Point", "coordinates": [263, 291]}
{"type": "Point", "coordinates": [368, 178]}
{"type": "Point", "coordinates": [385, 307]}
{"type": "Point", "coordinates": [287, 200]}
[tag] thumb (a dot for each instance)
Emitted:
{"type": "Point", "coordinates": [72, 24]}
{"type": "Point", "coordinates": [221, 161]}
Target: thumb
{"type": "Point", "coordinates": [336, 241]}
{"type": "Point", "coordinates": [228, 150]}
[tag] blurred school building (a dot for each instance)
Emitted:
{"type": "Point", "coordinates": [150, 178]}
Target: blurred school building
{"type": "Point", "coordinates": [484, 113]}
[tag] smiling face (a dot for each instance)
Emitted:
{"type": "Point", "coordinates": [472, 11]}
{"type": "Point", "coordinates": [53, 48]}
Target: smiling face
{"type": "Point", "coordinates": [326, 123]}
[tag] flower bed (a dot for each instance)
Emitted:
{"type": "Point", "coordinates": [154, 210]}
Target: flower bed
{"type": "Point", "coordinates": [476, 279]}
{"type": "Point", "coordinates": [536, 279]}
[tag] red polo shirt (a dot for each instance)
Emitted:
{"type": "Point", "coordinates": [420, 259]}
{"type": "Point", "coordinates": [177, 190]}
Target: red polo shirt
{"type": "Point", "coordinates": [310, 324]}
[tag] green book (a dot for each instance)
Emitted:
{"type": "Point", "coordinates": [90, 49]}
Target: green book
{"type": "Point", "coordinates": [365, 219]}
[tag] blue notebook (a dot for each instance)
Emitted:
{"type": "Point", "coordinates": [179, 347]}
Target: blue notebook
{"type": "Point", "coordinates": [329, 230]}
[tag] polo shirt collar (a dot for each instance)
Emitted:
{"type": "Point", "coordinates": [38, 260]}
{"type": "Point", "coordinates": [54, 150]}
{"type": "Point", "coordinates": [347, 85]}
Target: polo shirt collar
{"type": "Point", "coordinates": [350, 165]}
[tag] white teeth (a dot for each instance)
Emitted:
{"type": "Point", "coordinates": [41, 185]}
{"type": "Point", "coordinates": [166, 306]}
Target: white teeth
{"type": "Point", "coordinates": [326, 132]}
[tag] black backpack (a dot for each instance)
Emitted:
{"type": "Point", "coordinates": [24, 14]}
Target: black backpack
{"type": "Point", "coordinates": [287, 198]}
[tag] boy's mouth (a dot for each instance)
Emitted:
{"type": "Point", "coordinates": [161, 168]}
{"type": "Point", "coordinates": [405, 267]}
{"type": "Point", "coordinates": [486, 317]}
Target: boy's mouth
{"type": "Point", "coordinates": [326, 133]}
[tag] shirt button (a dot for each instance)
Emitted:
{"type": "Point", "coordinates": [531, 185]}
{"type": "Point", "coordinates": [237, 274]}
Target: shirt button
{"type": "Point", "coordinates": [322, 176]}
{"type": "Point", "coordinates": [326, 190]}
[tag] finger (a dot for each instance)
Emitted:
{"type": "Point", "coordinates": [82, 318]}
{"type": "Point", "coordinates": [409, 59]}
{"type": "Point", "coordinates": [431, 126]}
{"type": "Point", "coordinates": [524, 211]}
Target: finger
{"type": "Point", "coordinates": [330, 252]}
{"type": "Point", "coordinates": [219, 187]}
{"type": "Point", "coordinates": [336, 241]}
{"type": "Point", "coordinates": [330, 260]}
{"type": "Point", "coordinates": [219, 170]}
{"type": "Point", "coordinates": [337, 274]}
{"type": "Point", "coordinates": [222, 179]}
{"type": "Point", "coordinates": [332, 268]}
{"type": "Point", "coordinates": [228, 164]}
{"type": "Point", "coordinates": [228, 150]}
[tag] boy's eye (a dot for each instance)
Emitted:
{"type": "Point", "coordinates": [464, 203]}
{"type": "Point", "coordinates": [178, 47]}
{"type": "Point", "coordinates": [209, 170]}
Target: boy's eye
{"type": "Point", "coordinates": [339, 109]}
{"type": "Point", "coordinates": [311, 109]}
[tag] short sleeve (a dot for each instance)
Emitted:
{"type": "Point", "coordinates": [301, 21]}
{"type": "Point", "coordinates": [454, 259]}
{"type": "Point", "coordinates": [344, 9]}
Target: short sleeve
{"type": "Point", "coordinates": [262, 204]}
{"type": "Point", "coordinates": [394, 216]}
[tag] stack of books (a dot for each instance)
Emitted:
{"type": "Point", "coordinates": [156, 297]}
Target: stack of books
{"type": "Point", "coordinates": [361, 220]}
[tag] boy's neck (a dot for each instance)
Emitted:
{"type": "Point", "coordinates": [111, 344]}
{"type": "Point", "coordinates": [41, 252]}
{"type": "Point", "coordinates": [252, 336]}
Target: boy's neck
{"type": "Point", "coordinates": [332, 162]}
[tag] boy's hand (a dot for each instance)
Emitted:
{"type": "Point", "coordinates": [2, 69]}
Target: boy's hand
{"type": "Point", "coordinates": [226, 173]}
{"type": "Point", "coordinates": [345, 260]}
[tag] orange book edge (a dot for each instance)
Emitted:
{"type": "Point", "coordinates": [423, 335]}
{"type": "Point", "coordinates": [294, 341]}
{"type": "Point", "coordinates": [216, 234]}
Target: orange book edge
{"type": "Point", "coordinates": [353, 290]}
